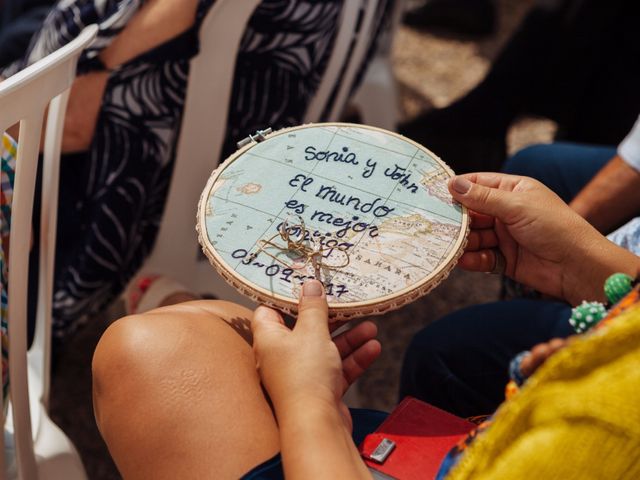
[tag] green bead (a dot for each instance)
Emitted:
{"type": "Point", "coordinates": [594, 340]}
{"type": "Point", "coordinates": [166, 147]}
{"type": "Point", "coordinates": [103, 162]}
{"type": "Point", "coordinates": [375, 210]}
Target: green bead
{"type": "Point", "coordinates": [587, 315]}
{"type": "Point", "coordinates": [617, 286]}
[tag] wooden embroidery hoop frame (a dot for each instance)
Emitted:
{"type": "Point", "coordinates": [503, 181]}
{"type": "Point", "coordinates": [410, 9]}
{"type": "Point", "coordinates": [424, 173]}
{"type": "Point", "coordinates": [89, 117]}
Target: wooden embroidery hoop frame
{"type": "Point", "coordinates": [337, 311]}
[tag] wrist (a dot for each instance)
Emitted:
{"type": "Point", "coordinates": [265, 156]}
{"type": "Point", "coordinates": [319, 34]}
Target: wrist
{"type": "Point", "coordinates": [316, 443]}
{"type": "Point", "coordinates": [581, 206]}
{"type": "Point", "coordinates": [592, 262]}
{"type": "Point", "coordinates": [298, 409]}
{"type": "Point", "coordinates": [617, 184]}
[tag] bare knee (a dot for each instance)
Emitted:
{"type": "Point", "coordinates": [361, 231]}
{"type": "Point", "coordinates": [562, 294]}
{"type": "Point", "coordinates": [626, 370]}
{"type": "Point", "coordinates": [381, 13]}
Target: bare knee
{"type": "Point", "coordinates": [182, 372]}
{"type": "Point", "coordinates": [118, 362]}
{"type": "Point", "coordinates": [180, 344]}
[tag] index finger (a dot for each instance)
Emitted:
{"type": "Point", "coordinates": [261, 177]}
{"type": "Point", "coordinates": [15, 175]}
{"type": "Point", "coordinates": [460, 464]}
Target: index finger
{"type": "Point", "coordinates": [480, 220]}
{"type": "Point", "coordinates": [501, 181]}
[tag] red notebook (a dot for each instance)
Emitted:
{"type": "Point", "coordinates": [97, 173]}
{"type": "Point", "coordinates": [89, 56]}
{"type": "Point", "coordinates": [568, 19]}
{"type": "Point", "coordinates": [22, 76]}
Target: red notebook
{"type": "Point", "coordinates": [423, 435]}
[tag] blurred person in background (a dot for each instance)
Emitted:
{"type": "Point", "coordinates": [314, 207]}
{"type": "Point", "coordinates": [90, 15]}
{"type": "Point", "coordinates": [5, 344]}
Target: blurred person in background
{"type": "Point", "coordinates": [576, 62]}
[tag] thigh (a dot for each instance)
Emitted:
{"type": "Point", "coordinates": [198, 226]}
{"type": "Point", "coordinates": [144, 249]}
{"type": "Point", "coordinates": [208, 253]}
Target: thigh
{"type": "Point", "coordinates": [177, 394]}
{"type": "Point", "coordinates": [563, 167]}
{"type": "Point", "coordinates": [460, 362]}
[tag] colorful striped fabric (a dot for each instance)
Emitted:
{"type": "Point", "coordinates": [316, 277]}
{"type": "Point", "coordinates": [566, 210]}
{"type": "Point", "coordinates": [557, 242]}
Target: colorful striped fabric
{"type": "Point", "coordinates": [8, 161]}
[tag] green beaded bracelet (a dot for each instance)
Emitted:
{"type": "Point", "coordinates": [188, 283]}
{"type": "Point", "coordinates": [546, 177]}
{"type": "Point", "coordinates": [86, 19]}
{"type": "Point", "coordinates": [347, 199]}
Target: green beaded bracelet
{"type": "Point", "coordinates": [587, 315]}
{"type": "Point", "coordinates": [617, 286]}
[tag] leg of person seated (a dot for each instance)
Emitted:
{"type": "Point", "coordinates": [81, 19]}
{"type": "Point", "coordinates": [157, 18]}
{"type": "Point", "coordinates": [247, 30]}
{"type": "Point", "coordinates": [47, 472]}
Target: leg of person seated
{"type": "Point", "coordinates": [460, 362]}
{"type": "Point", "coordinates": [177, 394]}
{"type": "Point", "coordinates": [563, 167]}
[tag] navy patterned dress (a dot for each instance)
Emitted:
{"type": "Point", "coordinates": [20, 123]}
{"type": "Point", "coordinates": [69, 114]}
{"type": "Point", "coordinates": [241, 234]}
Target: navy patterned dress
{"type": "Point", "coordinates": [112, 196]}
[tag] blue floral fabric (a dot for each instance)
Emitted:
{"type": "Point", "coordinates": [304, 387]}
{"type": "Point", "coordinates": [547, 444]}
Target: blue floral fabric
{"type": "Point", "coordinates": [628, 236]}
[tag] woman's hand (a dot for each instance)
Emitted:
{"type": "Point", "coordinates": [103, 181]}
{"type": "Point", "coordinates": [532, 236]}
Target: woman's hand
{"type": "Point", "coordinates": [546, 244]}
{"type": "Point", "coordinates": [303, 367]}
{"type": "Point", "coordinates": [306, 374]}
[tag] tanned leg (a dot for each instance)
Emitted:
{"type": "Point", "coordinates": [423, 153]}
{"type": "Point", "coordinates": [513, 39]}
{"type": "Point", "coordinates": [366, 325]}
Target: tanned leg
{"type": "Point", "coordinates": [177, 394]}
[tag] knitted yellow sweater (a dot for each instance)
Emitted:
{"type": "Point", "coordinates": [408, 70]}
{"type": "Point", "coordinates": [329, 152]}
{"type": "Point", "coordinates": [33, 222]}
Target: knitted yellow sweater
{"type": "Point", "coordinates": [578, 417]}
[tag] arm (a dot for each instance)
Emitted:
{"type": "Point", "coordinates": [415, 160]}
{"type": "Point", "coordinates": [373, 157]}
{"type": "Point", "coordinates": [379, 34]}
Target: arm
{"type": "Point", "coordinates": [156, 22]}
{"type": "Point", "coordinates": [611, 197]}
{"type": "Point", "coordinates": [305, 377]}
{"type": "Point", "coordinates": [153, 24]}
{"type": "Point", "coordinates": [592, 262]}
{"type": "Point", "coordinates": [315, 443]}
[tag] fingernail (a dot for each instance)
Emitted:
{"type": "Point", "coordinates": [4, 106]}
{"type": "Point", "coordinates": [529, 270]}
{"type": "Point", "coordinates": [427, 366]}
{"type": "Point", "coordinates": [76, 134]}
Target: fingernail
{"type": "Point", "coordinates": [461, 185]}
{"type": "Point", "coordinates": [312, 288]}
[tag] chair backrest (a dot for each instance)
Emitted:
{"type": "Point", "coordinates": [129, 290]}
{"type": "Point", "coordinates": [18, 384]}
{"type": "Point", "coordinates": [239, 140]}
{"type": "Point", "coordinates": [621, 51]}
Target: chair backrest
{"type": "Point", "coordinates": [204, 126]}
{"type": "Point", "coordinates": [350, 48]}
{"type": "Point", "coordinates": [24, 98]}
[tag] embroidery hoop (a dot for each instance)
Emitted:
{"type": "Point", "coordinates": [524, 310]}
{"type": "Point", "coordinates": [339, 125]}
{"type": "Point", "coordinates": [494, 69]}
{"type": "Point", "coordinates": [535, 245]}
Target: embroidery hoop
{"type": "Point", "coordinates": [337, 310]}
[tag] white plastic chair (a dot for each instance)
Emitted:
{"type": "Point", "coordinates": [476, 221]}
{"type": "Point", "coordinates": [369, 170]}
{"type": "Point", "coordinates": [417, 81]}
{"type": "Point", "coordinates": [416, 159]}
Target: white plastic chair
{"type": "Point", "coordinates": [176, 252]}
{"type": "Point", "coordinates": [42, 449]}
{"type": "Point", "coordinates": [379, 82]}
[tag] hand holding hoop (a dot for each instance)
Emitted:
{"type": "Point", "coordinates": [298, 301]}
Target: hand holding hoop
{"type": "Point", "coordinates": [521, 228]}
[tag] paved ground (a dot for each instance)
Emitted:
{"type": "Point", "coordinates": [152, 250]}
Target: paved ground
{"type": "Point", "coordinates": [432, 71]}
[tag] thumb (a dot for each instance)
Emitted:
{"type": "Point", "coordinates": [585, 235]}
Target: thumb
{"type": "Point", "coordinates": [313, 311]}
{"type": "Point", "coordinates": [480, 198]}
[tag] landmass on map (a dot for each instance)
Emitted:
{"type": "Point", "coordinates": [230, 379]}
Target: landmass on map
{"type": "Point", "coordinates": [435, 182]}
{"type": "Point", "coordinates": [406, 250]}
{"type": "Point", "coordinates": [250, 188]}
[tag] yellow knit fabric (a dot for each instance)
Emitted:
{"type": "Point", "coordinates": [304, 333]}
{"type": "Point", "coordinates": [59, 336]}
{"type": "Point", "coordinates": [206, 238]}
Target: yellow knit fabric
{"type": "Point", "coordinates": [578, 417]}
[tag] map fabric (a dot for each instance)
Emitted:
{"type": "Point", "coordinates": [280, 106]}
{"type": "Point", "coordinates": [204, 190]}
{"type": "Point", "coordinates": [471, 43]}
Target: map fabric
{"type": "Point", "coordinates": [377, 204]}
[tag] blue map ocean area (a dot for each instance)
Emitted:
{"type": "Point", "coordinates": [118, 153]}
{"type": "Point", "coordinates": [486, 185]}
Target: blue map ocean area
{"type": "Point", "coordinates": [358, 191]}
